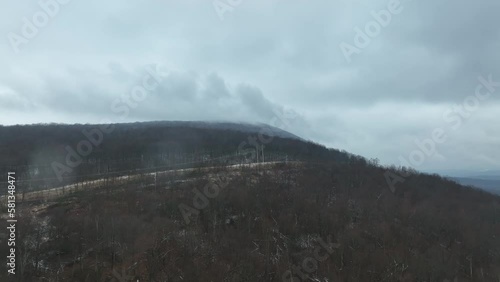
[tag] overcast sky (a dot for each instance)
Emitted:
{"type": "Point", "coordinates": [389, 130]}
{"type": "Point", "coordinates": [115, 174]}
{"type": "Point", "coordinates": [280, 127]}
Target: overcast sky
{"type": "Point", "coordinates": [245, 60]}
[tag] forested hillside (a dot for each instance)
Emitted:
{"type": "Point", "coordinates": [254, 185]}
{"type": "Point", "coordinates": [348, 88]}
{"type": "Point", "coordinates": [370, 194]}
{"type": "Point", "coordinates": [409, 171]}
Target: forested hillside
{"type": "Point", "coordinates": [54, 155]}
{"type": "Point", "coordinates": [317, 214]}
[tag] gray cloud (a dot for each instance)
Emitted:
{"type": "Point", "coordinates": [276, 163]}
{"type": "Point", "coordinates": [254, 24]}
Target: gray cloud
{"type": "Point", "coordinates": [264, 57]}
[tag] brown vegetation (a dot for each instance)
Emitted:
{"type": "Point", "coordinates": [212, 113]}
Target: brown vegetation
{"type": "Point", "coordinates": [262, 225]}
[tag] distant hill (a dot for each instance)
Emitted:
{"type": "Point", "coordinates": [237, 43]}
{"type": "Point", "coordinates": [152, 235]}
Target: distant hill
{"type": "Point", "coordinates": [34, 150]}
{"type": "Point", "coordinates": [488, 180]}
{"type": "Point", "coordinates": [490, 185]}
{"type": "Point", "coordinates": [243, 127]}
{"type": "Point", "coordinates": [464, 173]}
